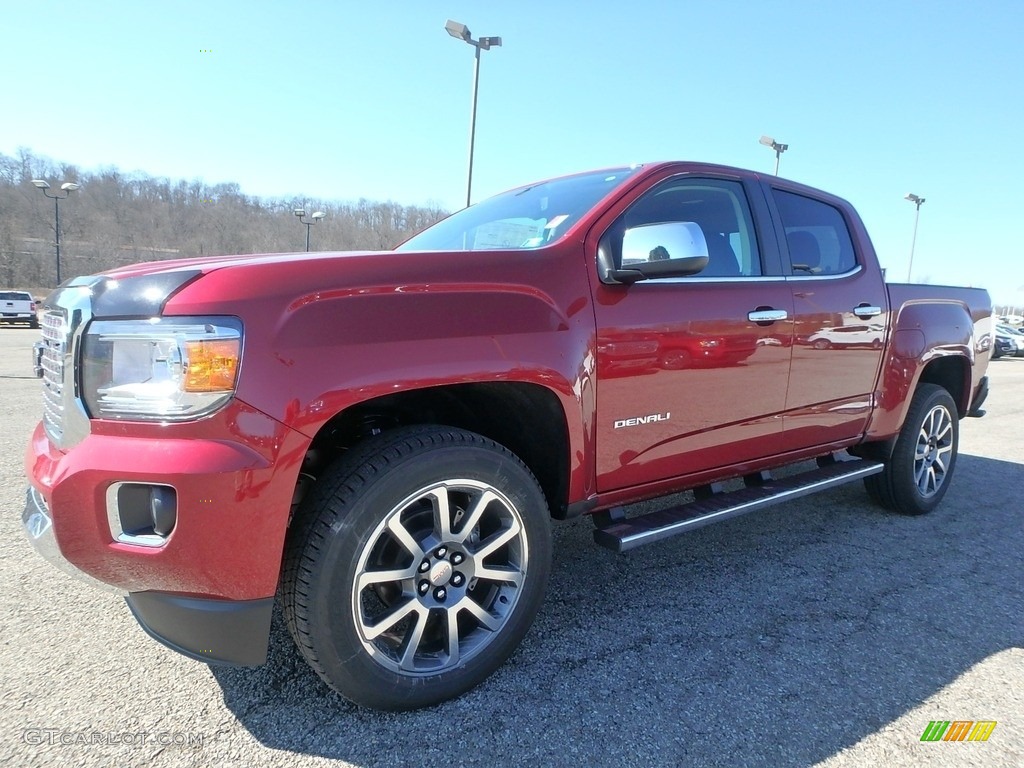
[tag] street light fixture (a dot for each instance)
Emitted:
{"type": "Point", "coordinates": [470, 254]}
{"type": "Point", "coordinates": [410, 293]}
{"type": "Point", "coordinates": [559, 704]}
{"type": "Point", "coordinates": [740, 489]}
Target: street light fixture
{"type": "Point", "coordinates": [67, 188]}
{"type": "Point", "coordinates": [461, 32]}
{"type": "Point", "coordinates": [768, 141]}
{"type": "Point", "coordinates": [916, 200]}
{"type": "Point", "coordinates": [313, 219]}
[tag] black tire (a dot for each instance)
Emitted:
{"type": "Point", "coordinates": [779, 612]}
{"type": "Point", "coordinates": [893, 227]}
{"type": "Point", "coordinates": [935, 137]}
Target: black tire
{"type": "Point", "coordinates": [379, 509]}
{"type": "Point", "coordinates": [919, 472]}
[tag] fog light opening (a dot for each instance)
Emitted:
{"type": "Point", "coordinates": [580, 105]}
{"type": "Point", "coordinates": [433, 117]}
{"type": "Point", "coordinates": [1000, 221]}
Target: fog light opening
{"type": "Point", "coordinates": [142, 513]}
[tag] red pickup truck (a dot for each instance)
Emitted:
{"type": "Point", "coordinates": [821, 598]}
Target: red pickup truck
{"type": "Point", "coordinates": [382, 438]}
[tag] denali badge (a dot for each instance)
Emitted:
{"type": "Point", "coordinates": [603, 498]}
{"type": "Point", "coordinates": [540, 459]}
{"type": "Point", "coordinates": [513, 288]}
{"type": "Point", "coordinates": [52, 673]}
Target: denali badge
{"type": "Point", "coordinates": [642, 420]}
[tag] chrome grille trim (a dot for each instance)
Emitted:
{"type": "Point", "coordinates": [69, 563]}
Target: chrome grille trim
{"type": "Point", "coordinates": [67, 312]}
{"type": "Point", "coordinates": [55, 346]}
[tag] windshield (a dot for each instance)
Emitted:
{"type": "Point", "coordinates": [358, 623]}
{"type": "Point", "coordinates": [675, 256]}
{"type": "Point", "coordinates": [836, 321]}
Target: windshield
{"type": "Point", "coordinates": [523, 218]}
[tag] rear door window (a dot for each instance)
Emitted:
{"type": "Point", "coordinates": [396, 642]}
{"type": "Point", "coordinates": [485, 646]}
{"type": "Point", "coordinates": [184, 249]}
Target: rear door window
{"type": "Point", "coordinates": [817, 237]}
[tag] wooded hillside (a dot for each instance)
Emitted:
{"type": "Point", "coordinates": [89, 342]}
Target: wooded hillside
{"type": "Point", "coordinates": [121, 218]}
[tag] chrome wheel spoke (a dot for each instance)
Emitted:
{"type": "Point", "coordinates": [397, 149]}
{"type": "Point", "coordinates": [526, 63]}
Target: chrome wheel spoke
{"type": "Point", "coordinates": [920, 468]}
{"type": "Point", "coordinates": [442, 513]}
{"type": "Point", "coordinates": [386, 622]}
{"type": "Point", "coordinates": [368, 578]}
{"type": "Point", "coordinates": [504, 575]}
{"type": "Point", "coordinates": [942, 457]}
{"type": "Point", "coordinates": [402, 535]}
{"type": "Point", "coordinates": [472, 518]}
{"type": "Point", "coordinates": [412, 641]}
{"type": "Point", "coordinates": [492, 623]}
{"type": "Point", "coordinates": [496, 542]}
{"type": "Point", "coordinates": [452, 626]}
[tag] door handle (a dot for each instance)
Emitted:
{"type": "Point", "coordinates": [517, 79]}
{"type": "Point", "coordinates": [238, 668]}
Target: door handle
{"type": "Point", "coordinates": [866, 311]}
{"type": "Point", "coordinates": [767, 315]}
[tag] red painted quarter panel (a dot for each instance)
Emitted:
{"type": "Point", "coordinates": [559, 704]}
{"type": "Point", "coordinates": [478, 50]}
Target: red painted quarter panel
{"type": "Point", "coordinates": [931, 322]}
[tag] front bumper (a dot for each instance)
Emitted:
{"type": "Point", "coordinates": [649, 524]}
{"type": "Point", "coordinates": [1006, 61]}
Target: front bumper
{"type": "Point", "coordinates": [38, 526]}
{"type": "Point", "coordinates": [232, 632]}
{"type": "Point", "coordinates": [206, 591]}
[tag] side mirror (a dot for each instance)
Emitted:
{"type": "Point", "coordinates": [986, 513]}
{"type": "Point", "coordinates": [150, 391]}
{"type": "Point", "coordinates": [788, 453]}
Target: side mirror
{"type": "Point", "coordinates": [669, 249]}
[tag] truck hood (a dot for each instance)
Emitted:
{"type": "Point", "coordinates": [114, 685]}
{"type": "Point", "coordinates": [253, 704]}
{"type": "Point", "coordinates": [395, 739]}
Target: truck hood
{"type": "Point", "coordinates": [207, 264]}
{"type": "Point", "coordinates": [144, 289]}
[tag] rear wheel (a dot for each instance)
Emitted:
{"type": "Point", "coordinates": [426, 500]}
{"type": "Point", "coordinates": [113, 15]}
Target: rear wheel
{"type": "Point", "coordinates": [420, 563]}
{"type": "Point", "coordinates": [920, 469]}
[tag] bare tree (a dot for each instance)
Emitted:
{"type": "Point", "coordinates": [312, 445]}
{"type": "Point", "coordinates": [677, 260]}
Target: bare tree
{"type": "Point", "coordinates": [120, 218]}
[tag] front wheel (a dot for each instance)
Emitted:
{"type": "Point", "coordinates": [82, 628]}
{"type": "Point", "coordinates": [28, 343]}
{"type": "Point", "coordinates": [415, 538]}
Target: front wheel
{"type": "Point", "coordinates": [419, 565]}
{"type": "Point", "coordinates": [920, 469]}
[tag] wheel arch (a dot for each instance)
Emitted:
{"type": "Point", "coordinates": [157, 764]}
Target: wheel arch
{"type": "Point", "coordinates": [526, 418]}
{"type": "Point", "coordinates": [952, 373]}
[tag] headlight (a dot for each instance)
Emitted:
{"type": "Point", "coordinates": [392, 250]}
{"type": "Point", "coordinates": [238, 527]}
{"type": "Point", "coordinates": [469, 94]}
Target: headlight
{"type": "Point", "coordinates": [163, 369]}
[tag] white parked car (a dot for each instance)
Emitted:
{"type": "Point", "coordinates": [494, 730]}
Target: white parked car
{"type": "Point", "coordinates": [848, 336]}
{"type": "Point", "coordinates": [18, 307]}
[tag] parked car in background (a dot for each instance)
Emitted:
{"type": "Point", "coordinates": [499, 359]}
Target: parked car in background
{"type": "Point", "coordinates": [848, 336]}
{"type": "Point", "coordinates": [18, 307]}
{"type": "Point", "coordinates": [1013, 338]}
{"type": "Point", "coordinates": [1002, 346]}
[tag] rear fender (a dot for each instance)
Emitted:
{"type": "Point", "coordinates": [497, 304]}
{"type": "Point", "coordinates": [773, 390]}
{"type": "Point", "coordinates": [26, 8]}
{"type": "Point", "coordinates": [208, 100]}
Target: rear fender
{"type": "Point", "coordinates": [933, 340]}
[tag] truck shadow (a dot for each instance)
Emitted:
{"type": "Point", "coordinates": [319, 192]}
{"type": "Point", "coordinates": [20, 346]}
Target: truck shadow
{"type": "Point", "coordinates": [777, 639]}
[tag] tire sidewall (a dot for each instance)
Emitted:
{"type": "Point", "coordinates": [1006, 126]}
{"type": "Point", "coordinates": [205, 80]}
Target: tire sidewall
{"type": "Point", "coordinates": [333, 631]}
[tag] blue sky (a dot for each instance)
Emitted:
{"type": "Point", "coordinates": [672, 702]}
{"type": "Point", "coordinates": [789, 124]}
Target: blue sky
{"type": "Point", "coordinates": [342, 100]}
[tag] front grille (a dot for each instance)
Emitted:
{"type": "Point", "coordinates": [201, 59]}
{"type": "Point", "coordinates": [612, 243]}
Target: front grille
{"type": "Point", "coordinates": [55, 343]}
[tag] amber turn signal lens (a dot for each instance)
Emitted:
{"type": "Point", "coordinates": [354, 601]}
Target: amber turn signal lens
{"type": "Point", "coordinates": [212, 365]}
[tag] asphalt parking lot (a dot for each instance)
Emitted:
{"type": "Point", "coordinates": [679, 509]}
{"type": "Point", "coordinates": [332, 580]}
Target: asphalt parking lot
{"type": "Point", "coordinates": [821, 632]}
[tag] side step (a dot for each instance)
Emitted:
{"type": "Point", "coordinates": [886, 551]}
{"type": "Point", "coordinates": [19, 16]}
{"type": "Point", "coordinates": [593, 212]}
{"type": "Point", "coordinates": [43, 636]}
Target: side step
{"type": "Point", "coordinates": [618, 533]}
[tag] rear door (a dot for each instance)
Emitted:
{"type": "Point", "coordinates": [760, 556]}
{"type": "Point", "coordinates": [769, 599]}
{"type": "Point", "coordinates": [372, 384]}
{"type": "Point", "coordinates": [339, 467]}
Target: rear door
{"type": "Point", "coordinates": [841, 314]}
{"type": "Point", "coordinates": [689, 378]}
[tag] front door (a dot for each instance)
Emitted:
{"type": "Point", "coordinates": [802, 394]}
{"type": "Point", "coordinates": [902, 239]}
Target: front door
{"type": "Point", "coordinates": [692, 372]}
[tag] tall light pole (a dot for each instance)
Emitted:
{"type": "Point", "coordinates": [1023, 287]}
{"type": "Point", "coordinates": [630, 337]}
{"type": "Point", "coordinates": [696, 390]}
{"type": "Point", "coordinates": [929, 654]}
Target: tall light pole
{"type": "Point", "coordinates": [917, 214]}
{"type": "Point", "coordinates": [768, 141]}
{"type": "Point", "coordinates": [461, 31]}
{"type": "Point", "coordinates": [67, 188]}
{"type": "Point", "coordinates": [313, 219]}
